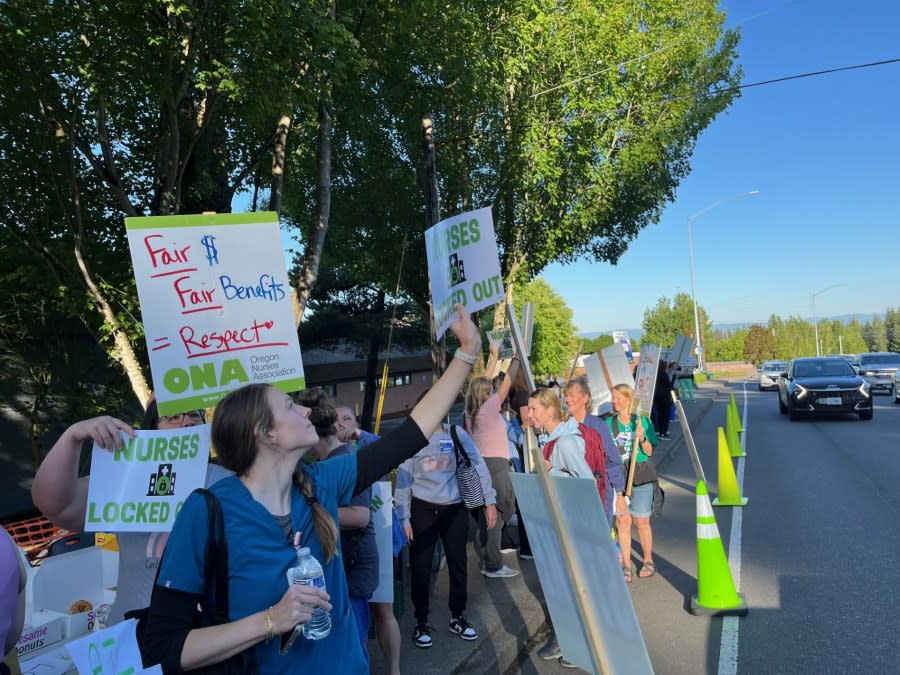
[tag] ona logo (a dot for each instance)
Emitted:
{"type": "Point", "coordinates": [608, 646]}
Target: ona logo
{"type": "Point", "coordinates": [205, 376]}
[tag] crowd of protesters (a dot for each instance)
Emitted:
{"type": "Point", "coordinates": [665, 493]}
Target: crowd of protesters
{"type": "Point", "coordinates": [297, 471]}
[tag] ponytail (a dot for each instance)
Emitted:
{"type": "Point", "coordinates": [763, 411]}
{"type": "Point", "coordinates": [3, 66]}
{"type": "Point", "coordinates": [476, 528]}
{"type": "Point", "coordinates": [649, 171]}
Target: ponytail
{"type": "Point", "coordinates": [326, 530]}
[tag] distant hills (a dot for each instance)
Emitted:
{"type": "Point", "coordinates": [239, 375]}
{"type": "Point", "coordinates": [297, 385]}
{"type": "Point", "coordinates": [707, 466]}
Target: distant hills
{"type": "Point", "coordinates": [635, 333]}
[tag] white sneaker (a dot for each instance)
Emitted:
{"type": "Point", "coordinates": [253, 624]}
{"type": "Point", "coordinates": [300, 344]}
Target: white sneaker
{"type": "Point", "coordinates": [503, 573]}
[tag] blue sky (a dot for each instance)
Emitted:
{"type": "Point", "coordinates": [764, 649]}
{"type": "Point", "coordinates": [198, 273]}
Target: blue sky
{"type": "Point", "coordinates": [824, 153]}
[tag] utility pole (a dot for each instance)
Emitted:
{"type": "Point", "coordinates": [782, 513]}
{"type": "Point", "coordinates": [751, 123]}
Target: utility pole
{"type": "Point", "coordinates": [432, 217]}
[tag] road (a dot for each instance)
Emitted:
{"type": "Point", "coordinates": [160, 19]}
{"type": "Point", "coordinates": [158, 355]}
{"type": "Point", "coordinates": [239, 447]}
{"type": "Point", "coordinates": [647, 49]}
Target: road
{"type": "Point", "coordinates": [815, 551]}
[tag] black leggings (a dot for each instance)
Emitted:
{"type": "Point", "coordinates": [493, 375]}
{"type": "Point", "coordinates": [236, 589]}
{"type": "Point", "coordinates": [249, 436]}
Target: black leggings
{"type": "Point", "coordinates": [429, 521]}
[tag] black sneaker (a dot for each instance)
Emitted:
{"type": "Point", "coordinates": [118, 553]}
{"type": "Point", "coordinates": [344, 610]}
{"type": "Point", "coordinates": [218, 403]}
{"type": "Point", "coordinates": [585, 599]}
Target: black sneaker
{"type": "Point", "coordinates": [422, 636]}
{"type": "Point", "coordinates": [463, 628]}
{"type": "Point", "coordinates": [550, 650]}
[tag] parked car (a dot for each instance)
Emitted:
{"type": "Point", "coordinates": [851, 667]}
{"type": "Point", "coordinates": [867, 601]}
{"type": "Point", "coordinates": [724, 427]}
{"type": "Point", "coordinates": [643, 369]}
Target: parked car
{"type": "Point", "coordinates": [823, 385]}
{"type": "Point", "coordinates": [770, 373]}
{"type": "Point", "coordinates": [895, 387]}
{"type": "Point", "coordinates": [878, 368]}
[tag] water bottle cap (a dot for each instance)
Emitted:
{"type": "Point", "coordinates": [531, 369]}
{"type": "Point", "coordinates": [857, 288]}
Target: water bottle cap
{"type": "Point", "coordinates": [303, 551]}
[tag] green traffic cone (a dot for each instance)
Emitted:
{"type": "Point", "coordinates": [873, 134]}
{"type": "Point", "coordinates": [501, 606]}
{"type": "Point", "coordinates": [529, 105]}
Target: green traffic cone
{"type": "Point", "coordinates": [729, 490]}
{"type": "Point", "coordinates": [716, 594]}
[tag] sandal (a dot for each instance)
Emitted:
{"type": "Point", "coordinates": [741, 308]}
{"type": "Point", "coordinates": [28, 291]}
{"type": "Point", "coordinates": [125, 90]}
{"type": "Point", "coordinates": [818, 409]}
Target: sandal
{"type": "Point", "coordinates": [627, 571]}
{"type": "Point", "coordinates": [649, 568]}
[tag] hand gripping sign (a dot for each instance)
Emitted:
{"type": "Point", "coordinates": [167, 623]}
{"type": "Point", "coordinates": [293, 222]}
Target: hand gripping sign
{"type": "Point", "coordinates": [463, 265]}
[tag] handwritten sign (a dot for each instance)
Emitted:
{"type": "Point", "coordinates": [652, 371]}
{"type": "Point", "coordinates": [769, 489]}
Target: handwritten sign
{"type": "Point", "coordinates": [111, 651]}
{"type": "Point", "coordinates": [141, 486]}
{"type": "Point", "coordinates": [463, 265]}
{"type": "Point", "coordinates": [216, 305]}
{"type": "Point", "coordinates": [645, 378]}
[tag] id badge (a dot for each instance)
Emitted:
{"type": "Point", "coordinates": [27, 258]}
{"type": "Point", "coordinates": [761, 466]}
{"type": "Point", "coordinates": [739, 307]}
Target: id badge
{"type": "Point", "coordinates": [446, 445]}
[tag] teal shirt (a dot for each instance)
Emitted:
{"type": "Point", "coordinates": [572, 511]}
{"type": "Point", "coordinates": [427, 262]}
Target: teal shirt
{"type": "Point", "coordinates": [623, 435]}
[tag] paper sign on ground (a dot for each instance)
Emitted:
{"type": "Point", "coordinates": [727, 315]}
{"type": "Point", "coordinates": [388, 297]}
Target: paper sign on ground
{"type": "Point", "coordinates": [645, 379]}
{"type": "Point", "coordinates": [382, 507]}
{"type": "Point", "coordinates": [463, 265]}
{"type": "Point", "coordinates": [140, 487]}
{"type": "Point", "coordinates": [216, 306]}
{"type": "Point", "coordinates": [112, 650]}
{"type": "Point", "coordinates": [503, 336]}
{"type": "Point", "coordinates": [605, 369]}
{"type": "Point", "coordinates": [609, 601]}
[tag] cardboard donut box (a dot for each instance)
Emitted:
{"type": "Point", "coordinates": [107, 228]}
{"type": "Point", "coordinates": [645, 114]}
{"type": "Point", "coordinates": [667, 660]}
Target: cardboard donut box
{"type": "Point", "coordinates": [57, 585]}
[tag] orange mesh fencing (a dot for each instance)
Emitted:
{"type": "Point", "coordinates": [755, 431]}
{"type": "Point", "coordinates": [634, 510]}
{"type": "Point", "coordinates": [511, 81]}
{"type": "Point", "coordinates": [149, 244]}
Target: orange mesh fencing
{"type": "Point", "coordinates": [34, 536]}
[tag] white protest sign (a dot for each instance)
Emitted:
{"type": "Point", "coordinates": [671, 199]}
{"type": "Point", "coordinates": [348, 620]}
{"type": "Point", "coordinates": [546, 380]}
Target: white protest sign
{"type": "Point", "coordinates": [111, 651]}
{"type": "Point", "coordinates": [140, 487]}
{"type": "Point", "coordinates": [503, 336]}
{"type": "Point", "coordinates": [216, 306]}
{"type": "Point", "coordinates": [604, 370]}
{"type": "Point", "coordinates": [382, 507]}
{"type": "Point", "coordinates": [645, 379]}
{"type": "Point", "coordinates": [683, 350]}
{"type": "Point", "coordinates": [621, 337]}
{"type": "Point", "coordinates": [463, 265]}
{"type": "Point", "coordinates": [608, 601]}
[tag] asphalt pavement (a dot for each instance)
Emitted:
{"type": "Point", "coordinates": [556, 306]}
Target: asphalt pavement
{"type": "Point", "coordinates": [507, 613]}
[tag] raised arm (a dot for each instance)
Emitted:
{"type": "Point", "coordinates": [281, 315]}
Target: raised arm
{"type": "Point", "coordinates": [376, 459]}
{"type": "Point", "coordinates": [57, 490]}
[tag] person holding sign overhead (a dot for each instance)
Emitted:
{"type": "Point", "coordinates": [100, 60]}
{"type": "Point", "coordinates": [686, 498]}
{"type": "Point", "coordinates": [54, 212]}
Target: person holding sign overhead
{"type": "Point", "coordinates": [274, 502]}
{"type": "Point", "coordinates": [487, 427]}
{"type": "Point", "coordinates": [62, 497]}
{"type": "Point", "coordinates": [628, 428]}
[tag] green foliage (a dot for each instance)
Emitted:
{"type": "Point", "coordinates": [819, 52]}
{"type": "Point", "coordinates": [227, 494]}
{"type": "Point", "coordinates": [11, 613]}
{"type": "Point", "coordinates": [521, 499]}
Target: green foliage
{"type": "Point", "coordinates": [722, 346]}
{"type": "Point", "coordinates": [596, 344]}
{"type": "Point", "coordinates": [759, 344]}
{"type": "Point", "coordinates": [554, 341]}
{"type": "Point", "coordinates": [663, 323]}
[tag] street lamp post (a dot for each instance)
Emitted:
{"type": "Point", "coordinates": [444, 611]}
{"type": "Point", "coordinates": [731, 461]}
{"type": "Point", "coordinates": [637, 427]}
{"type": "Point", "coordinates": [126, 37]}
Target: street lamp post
{"type": "Point", "coordinates": [812, 299]}
{"type": "Point", "coordinates": [699, 346]}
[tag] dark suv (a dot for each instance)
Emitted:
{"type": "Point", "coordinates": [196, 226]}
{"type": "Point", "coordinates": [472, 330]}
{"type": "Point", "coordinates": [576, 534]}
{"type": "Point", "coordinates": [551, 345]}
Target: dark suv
{"type": "Point", "coordinates": [878, 369]}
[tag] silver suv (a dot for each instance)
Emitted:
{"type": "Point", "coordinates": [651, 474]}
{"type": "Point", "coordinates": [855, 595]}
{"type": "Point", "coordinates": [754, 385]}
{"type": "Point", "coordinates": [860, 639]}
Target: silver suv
{"type": "Point", "coordinates": [878, 369]}
{"type": "Point", "coordinates": [769, 374]}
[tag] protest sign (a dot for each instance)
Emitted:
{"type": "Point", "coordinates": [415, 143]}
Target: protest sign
{"type": "Point", "coordinates": [382, 508]}
{"type": "Point", "coordinates": [110, 651]}
{"type": "Point", "coordinates": [683, 350]}
{"type": "Point", "coordinates": [605, 369]}
{"type": "Point", "coordinates": [216, 306]}
{"type": "Point", "coordinates": [592, 611]}
{"type": "Point", "coordinates": [503, 337]}
{"type": "Point", "coordinates": [463, 266]}
{"type": "Point", "coordinates": [621, 337]}
{"type": "Point", "coordinates": [141, 486]}
{"type": "Point", "coordinates": [645, 378]}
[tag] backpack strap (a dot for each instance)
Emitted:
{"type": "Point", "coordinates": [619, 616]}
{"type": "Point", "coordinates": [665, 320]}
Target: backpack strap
{"type": "Point", "coordinates": [215, 566]}
{"type": "Point", "coordinates": [461, 457]}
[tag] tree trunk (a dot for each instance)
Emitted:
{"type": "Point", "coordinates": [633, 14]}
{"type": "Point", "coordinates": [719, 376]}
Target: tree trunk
{"type": "Point", "coordinates": [309, 271]}
{"type": "Point", "coordinates": [284, 125]}
{"type": "Point", "coordinates": [372, 363]}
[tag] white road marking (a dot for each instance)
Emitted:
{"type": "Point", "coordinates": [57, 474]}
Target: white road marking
{"type": "Point", "coordinates": [728, 645]}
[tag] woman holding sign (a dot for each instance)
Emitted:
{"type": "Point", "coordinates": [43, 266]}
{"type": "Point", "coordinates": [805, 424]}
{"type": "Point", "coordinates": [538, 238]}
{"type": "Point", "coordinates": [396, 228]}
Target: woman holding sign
{"type": "Point", "coordinates": [274, 502]}
{"type": "Point", "coordinates": [62, 497]}
{"type": "Point", "coordinates": [630, 430]}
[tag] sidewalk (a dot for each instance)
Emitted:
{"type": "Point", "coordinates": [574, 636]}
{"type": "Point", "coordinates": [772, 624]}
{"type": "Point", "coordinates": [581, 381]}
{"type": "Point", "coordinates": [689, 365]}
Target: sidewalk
{"type": "Point", "coordinates": [506, 613]}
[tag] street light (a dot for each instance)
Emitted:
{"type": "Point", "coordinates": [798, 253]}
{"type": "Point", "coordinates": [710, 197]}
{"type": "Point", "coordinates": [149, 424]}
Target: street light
{"type": "Point", "coordinates": [812, 299]}
{"type": "Point", "coordinates": [691, 254]}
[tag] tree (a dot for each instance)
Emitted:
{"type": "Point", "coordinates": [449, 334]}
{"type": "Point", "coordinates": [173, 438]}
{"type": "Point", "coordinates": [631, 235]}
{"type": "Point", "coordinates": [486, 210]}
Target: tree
{"type": "Point", "coordinates": [596, 344]}
{"type": "Point", "coordinates": [726, 346]}
{"type": "Point", "coordinates": [892, 328]}
{"type": "Point", "coordinates": [759, 345]}
{"type": "Point", "coordinates": [875, 334]}
{"type": "Point", "coordinates": [554, 341]}
{"type": "Point", "coordinates": [102, 135]}
{"type": "Point", "coordinates": [663, 323]}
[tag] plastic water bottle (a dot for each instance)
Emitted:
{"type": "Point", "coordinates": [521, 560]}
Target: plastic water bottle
{"type": "Point", "coordinates": [308, 571]}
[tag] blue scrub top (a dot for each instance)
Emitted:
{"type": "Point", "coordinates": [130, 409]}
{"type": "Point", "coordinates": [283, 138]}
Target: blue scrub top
{"type": "Point", "coordinates": [259, 556]}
